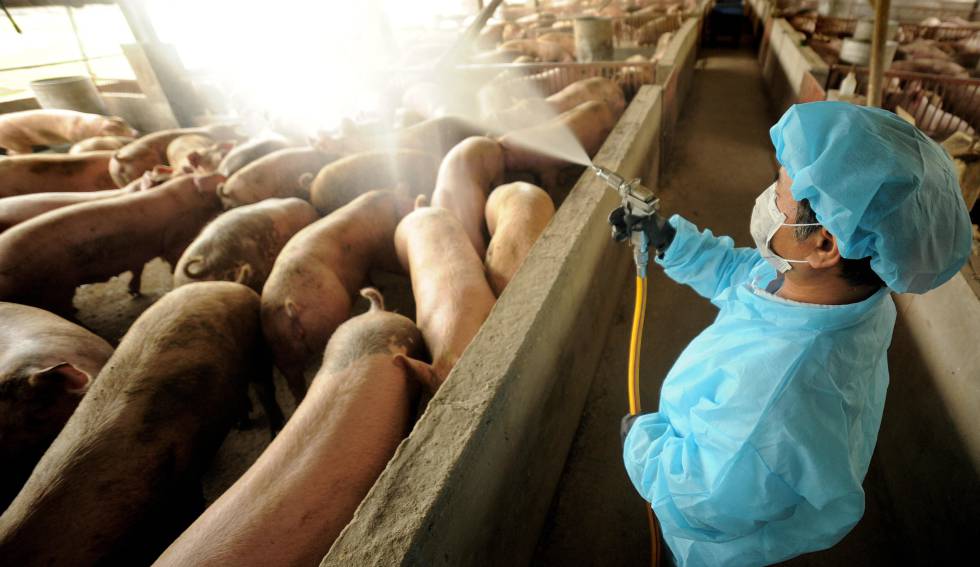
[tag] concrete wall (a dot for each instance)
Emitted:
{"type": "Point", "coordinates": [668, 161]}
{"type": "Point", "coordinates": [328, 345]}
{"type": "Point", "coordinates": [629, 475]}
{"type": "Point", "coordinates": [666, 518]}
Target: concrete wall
{"type": "Point", "coordinates": [785, 64]}
{"type": "Point", "coordinates": [472, 482]}
{"type": "Point", "coordinates": [759, 12]}
{"type": "Point", "coordinates": [929, 444]}
{"type": "Point", "coordinates": [674, 73]}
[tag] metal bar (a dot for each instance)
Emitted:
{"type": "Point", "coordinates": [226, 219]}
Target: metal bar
{"type": "Point", "coordinates": [9, 17]}
{"type": "Point", "coordinates": [878, 42]}
{"type": "Point", "coordinates": [26, 67]}
{"type": "Point", "coordinates": [78, 39]}
{"type": "Point", "coordinates": [467, 37]}
{"type": "Point", "coordinates": [139, 21]}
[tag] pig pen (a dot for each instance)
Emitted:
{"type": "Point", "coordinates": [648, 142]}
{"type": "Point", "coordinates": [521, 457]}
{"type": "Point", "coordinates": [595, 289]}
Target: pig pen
{"type": "Point", "coordinates": [529, 333]}
{"type": "Point", "coordinates": [472, 483]}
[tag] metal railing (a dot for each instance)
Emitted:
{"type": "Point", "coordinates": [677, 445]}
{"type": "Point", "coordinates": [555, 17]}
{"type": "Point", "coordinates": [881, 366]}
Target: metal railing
{"type": "Point", "coordinates": [941, 105]}
{"type": "Point", "coordinates": [843, 27]}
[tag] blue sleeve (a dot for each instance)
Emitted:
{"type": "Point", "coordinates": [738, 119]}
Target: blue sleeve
{"type": "Point", "coordinates": [708, 263]}
{"type": "Point", "coordinates": [701, 488]}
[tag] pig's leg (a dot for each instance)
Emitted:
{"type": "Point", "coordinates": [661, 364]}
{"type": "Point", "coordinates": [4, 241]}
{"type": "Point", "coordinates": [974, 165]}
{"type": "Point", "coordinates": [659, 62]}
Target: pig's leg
{"type": "Point", "coordinates": [265, 388]}
{"type": "Point", "coordinates": [136, 281]}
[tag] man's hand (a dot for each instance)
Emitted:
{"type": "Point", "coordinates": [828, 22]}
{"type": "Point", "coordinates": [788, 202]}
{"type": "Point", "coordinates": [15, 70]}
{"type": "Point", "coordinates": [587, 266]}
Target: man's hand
{"type": "Point", "coordinates": [658, 230]}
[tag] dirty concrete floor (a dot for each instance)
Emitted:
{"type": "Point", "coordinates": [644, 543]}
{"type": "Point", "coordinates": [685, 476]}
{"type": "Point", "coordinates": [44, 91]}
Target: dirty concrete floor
{"type": "Point", "coordinates": [720, 161]}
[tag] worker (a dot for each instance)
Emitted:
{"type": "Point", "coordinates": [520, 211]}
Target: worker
{"type": "Point", "coordinates": [768, 419]}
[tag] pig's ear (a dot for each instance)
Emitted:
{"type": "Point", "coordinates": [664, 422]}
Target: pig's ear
{"type": "Point", "coordinates": [292, 312]}
{"type": "Point", "coordinates": [305, 181]}
{"type": "Point", "coordinates": [63, 375]}
{"type": "Point", "coordinates": [194, 159]}
{"type": "Point", "coordinates": [420, 372]}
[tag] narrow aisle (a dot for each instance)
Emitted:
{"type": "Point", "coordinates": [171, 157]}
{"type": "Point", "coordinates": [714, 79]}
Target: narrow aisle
{"type": "Point", "coordinates": [721, 160]}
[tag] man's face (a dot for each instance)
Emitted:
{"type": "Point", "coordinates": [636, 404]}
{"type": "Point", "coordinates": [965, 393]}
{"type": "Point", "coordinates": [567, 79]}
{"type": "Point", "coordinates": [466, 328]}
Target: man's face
{"type": "Point", "coordinates": [784, 242]}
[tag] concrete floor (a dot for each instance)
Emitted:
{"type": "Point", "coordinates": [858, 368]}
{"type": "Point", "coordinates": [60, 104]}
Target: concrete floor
{"type": "Point", "coordinates": [721, 160]}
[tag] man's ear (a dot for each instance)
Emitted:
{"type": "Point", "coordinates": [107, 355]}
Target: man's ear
{"type": "Point", "coordinates": [825, 252]}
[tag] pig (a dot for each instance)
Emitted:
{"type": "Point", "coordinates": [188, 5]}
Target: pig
{"type": "Point", "coordinates": [100, 143]}
{"type": "Point", "coordinates": [325, 460]}
{"type": "Point", "coordinates": [46, 173]}
{"type": "Point", "coordinates": [649, 33]}
{"type": "Point", "coordinates": [196, 153]}
{"type": "Point", "coordinates": [21, 131]}
{"type": "Point", "coordinates": [412, 172]}
{"type": "Point", "coordinates": [436, 136]}
{"type": "Point", "coordinates": [531, 111]}
{"type": "Point", "coordinates": [452, 297]}
{"type": "Point", "coordinates": [310, 289]}
{"type": "Point", "coordinates": [278, 174]}
{"type": "Point", "coordinates": [242, 244]}
{"type": "Point", "coordinates": [122, 479]}
{"type": "Point", "coordinates": [590, 123]}
{"type": "Point", "coordinates": [465, 179]}
{"type": "Point", "coordinates": [44, 259]}
{"type": "Point", "coordinates": [46, 366]}
{"type": "Point", "coordinates": [629, 78]}
{"type": "Point", "coordinates": [15, 210]}
{"type": "Point", "coordinates": [507, 90]}
{"type": "Point", "coordinates": [244, 154]}
{"type": "Point", "coordinates": [497, 56]}
{"type": "Point", "coordinates": [565, 40]}
{"type": "Point", "coordinates": [541, 50]}
{"type": "Point", "coordinates": [596, 88]}
{"type": "Point", "coordinates": [516, 214]}
{"type": "Point", "coordinates": [130, 161]}
{"type": "Point", "coordinates": [931, 66]}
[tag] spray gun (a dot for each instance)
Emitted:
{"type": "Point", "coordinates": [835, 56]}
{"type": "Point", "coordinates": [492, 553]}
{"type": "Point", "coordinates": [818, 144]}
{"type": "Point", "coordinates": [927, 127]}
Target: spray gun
{"type": "Point", "coordinates": [638, 202]}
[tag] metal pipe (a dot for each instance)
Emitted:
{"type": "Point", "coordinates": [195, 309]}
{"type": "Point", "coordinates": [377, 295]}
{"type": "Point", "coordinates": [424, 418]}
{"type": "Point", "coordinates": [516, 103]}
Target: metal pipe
{"type": "Point", "coordinates": [879, 41]}
{"type": "Point", "coordinates": [467, 37]}
{"type": "Point", "coordinates": [78, 39]}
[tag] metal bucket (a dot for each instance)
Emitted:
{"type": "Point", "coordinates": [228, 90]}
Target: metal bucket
{"type": "Point", "coordinates": [593, 39]}
{"type": "Point", "coordinates": [71, 93]}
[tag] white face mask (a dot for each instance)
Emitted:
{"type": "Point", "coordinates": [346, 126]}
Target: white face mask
{"type": "Point", "coordinates": [766, 220]}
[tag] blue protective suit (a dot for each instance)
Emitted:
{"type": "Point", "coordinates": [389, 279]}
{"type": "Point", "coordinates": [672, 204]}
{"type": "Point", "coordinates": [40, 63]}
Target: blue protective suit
{"type": "Point", "coordinates": [767, 420]}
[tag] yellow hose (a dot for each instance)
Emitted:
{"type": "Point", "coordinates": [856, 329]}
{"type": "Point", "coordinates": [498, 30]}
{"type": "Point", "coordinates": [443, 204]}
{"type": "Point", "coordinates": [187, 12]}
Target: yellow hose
{"type": "Point", "coordinates": [636, 339]}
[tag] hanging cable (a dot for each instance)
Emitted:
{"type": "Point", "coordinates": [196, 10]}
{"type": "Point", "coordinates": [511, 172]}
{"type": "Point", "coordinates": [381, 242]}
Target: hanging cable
{"type": "Point", "coordinates": [10, 17]}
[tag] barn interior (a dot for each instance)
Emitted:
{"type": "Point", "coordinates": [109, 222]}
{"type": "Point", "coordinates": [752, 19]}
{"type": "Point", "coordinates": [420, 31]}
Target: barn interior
{"type": "Point", "coordinates": [333, 282]}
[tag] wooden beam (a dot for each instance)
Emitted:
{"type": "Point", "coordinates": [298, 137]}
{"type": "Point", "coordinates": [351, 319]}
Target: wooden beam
{"type": "Point", "coordinates": [879, 41]}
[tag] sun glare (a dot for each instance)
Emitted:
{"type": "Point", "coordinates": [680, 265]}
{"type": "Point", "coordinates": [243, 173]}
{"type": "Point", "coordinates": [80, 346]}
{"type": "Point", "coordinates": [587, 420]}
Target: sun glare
{"type": "Point", "coordinates": [307, 64]}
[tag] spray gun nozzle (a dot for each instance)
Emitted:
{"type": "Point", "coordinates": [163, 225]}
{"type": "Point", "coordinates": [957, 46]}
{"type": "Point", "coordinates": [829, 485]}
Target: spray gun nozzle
{"type": "Point", "coordinates": [611, 179]}
{"type": "Point", "coordinates": [638, 198]}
